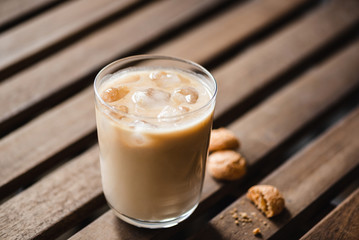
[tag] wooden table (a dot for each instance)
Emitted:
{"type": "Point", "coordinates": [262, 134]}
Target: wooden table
{"type": "Point", "coordinates": [288, 76]}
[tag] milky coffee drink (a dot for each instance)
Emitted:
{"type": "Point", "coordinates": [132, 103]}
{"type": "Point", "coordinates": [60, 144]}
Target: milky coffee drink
{"type": "Point", "coordinates": [153, 124]}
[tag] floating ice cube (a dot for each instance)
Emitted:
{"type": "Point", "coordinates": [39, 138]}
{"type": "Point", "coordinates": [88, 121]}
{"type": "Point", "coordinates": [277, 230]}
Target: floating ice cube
{"type": "Point", "coordinates": [119, 111]}
{"type": "Point", "coordinates": [167, 79]}
{"type": "Point", "coordinates": [140, 124]}
{"type": "Point", "coordinates": [151, 98]}
{"type": "Point", "coordinates": [185, 95]}
{"type": "Point", "coordinates": [171, 112]}
{"type": "Point", "coordinates": [114, 94]}
{"type": "Point", "coordinates": [122, 108]}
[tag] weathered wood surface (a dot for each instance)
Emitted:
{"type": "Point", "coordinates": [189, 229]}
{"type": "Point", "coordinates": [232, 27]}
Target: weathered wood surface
{"type": "Point", "coordinates": [282, 67]}
{"type": "Point", "coordinates": [305, 178]}
{"type": "Point", "coordinates": [54, 203]}
{"type": "Point", "coordinates": [10, 10]}
{"type": "Point", "coordinates": [65, 125]}
{"type": "Point", "coordinates": [72, 17]}
{"type": "Point", "coordinates": [34, 85]}
{"type": "Point", "coordinates": [266, 127]}
{"type": "Point", "coordinates": [341, 223]}
{"type": "Point", "coordinates": [61, 117]}
{"type": "Point", "coordinates": [84, 57]}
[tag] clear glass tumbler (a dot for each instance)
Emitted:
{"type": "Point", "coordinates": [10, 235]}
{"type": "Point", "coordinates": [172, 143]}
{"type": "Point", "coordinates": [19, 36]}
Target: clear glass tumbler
{"type": "Point", "coordinates": [152, 167]}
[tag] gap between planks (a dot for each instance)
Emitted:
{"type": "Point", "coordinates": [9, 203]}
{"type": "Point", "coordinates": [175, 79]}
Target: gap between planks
{"type": "Point", "coordinates": [14, 11]}
{"type": "Point", "coordinates": [51, 119]}
{"type": "Point", "coordinates": [303, 179]}
{"type": "Point", "coordinates": [306, 109]}
{"type": "Point", "coordinates": [35, 88]}
{"type": "Point", "coordinates": [65, 115]}
{"type": "Point", "coordinates": [20, 45]}
{"type": "Point", "coordinates": [53, 185]}
{"type": "Point", "coordinates": [341, 223]}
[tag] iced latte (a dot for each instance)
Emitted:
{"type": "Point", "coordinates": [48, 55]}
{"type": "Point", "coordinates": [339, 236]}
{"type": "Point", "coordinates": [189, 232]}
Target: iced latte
{"type": "Point", "coordinates": [154, 117]}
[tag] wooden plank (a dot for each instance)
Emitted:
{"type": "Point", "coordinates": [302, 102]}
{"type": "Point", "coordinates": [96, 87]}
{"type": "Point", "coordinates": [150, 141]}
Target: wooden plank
{"type": "Point", "coordinates": [99, 49]}
{"type": "Point", "coordinates": [56, 120]}
{"type": "Point", "coordinates": [13, 171]}
{"type": "Point", "coordinates": [282, 52]}
{"type": "Point", "coordinates": [341, 223]}
{"type": "Point", "coordinates": [89, 99]}
{"type": "Point", "coordinates": [11, 10]}
{"type": "Point", "coordinates": [240, 22]}
{"type": "Point", "coordinates": [34, 36]}
{"type": "Point", "coordinates": [302, 180]}
{"type": "Point", "coordinates": [42, 138]}
{"type": "Point", "coordinates": [266, 127]}
{"type": "Point", "coordinates": [90, 54]}
{"type": "Point", "coordinates": [58, 200]}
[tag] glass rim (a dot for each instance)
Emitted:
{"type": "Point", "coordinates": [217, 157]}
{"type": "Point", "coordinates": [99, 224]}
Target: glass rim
{"type": "Point", "coordinates": [154, 57]}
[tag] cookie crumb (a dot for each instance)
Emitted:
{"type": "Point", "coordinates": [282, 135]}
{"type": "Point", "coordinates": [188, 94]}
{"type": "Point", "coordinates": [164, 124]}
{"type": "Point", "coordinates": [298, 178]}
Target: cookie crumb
{"type": "Point", "coordinates": [256, 231]}
{"type": "Point", "coordinates": [244, 215]}
{"type": "Point", "coordinates": [236, 222]}
{"type": "Point", "coordinates": [234, 210]}
{"type": "Point", "coordinates": [221, 217]}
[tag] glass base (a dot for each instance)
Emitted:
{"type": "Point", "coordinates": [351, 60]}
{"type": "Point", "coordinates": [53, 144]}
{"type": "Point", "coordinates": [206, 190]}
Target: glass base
{"type": "Point", "coordinates": [166, 223]}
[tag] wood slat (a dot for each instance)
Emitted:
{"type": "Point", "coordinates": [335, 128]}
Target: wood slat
{"type": "Point", "coordinates": [261, 130]}
{"type": "Point", "coordinates": [59, 199]}
{"type": "Point", "coordinates": [56, 123]}
{"type": "Point", "coordinates": [90, 54]}
{"type": "Point", "coordinates": [15, 170]}
{"type": "Point", "coordinates": [341, 223]}
{"type": "Point", "coordinates": [302, 180]}
{"type": "Point", "coordinates": [240, 22]}
{"type": "Point", "coordinates": [14, 9]}
{"type": "Point", "coordinates": [265, 128]}
{"type": "Point", "coordinates": [282, 52]}
{"type": "Point", "coordinates": [28, 147]}
{"type": "Point", "coordinates": [39, 33]}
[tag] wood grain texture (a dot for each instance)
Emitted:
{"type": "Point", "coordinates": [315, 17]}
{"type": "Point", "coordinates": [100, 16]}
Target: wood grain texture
{"type": "Point", "coordinates": [12, 172]}
{"type": "Point", "coordinates": [52, 204]}
{"type": "Point", "coordinates": [90, 54]}
{"type": "Point", "coordinates": [228, 29]}
{"type": "Point", "coordinates": [265, 61]}
{"type": "Point", "coordinates": [13, 9]}
{"type": "Point", "coordinates": [15, 170]}
{"type": "Point", "coordinates": [53, 26]}
{"type": "Point", "coordinates": [302, 180]}
{"type": "Point", "coordinates": [210, 186]}
{"type": "Point", "coordinates": [341, 224]}
{"type": "Point", "coordinates": [271, 123]}
{"type": "Point", "coordinates": [29, 146]}
{"type": "Point", "coordinates": [25, 136]}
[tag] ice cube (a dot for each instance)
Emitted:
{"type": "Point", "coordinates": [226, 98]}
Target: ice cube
{"type": "Point", "coordinates": [141, 124]}
{"type": "Point", "coordinates": [114, 94]}
{"type": "Point", "coordinates": [150, 98]}
{"type": "Point", "coordinates": [137, 137]}
{"type": "Point", "coordinates": [119, 110]}
{"type": "Point", "coordinates": [185, 95]}
{"type": "Point", "coordinates": [167, 79]}
{"type": "Point", "coordinates": [122, 108]}
{"type": "Point", "coordinates": [171, 112]}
